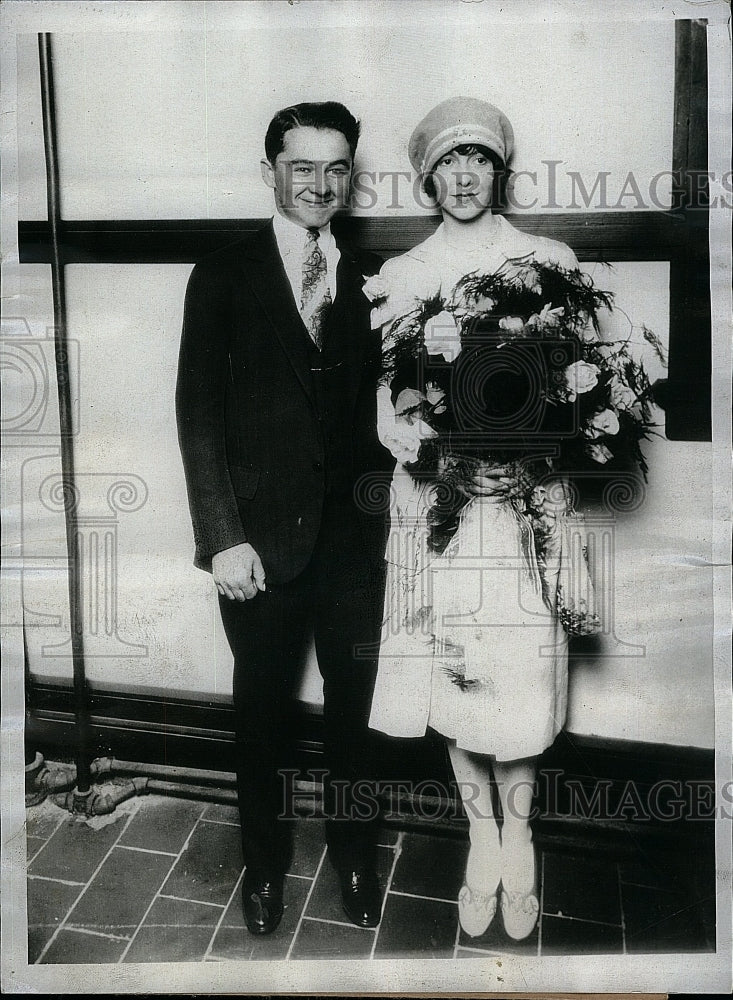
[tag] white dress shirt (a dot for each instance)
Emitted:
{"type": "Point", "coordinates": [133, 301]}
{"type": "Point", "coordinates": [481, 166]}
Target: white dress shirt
{"type": "Point", "coordinates": [291, 241]}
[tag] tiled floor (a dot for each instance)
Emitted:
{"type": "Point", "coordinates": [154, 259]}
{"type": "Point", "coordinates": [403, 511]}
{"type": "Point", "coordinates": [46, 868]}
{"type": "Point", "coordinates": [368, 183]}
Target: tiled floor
{"type": "Point", "coordinates": [161, 882]}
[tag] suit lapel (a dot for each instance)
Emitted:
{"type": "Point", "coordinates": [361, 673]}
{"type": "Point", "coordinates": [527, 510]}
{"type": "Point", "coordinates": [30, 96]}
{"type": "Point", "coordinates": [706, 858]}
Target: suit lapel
{"type": "Point", "coordinates": [266, 274]}
{"type": "Point", "coordinates": [343, 314]}
{"type": "Point", "coordinates": [348, 321]}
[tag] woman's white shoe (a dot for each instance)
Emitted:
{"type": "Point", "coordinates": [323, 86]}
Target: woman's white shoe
{"type": "Point", "coordinates": [519, 904]}
{"type": "Point", "coordinates": [476, 910]}
{"type": "Point", "coordinates": [519, 910]}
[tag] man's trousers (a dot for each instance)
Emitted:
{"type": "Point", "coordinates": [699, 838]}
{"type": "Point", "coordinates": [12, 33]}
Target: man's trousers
{"type": "Point", "coordinates": [340, 597]}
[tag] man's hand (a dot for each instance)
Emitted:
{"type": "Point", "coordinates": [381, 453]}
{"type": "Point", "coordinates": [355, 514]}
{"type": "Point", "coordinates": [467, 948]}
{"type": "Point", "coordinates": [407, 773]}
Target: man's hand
{"type": "Point", "coordinates": [238, 572]}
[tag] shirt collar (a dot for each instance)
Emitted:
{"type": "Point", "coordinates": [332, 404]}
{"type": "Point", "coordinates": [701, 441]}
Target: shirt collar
{"type": "Point", "coordinates": [291, 237]}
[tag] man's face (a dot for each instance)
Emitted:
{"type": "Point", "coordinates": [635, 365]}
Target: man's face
{"type": "Point", "coordinates": [311, 176]}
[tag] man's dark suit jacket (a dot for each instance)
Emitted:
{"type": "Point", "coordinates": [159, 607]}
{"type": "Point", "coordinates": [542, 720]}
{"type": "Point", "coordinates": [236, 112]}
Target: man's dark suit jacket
{"type": "Point", "coordinates": [248, 423]}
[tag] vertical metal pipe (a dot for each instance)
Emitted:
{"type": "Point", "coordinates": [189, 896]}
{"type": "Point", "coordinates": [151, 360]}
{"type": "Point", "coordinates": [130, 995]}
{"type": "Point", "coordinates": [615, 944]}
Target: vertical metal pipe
{"type": "Point", "coordinates": [81, 699]}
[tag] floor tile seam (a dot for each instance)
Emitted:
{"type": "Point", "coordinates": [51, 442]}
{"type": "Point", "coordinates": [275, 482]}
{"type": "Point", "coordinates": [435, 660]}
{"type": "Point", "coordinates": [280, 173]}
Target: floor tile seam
{"type": "Point", "coordinates": [417, 895]}
{"type": "Point", "coordinates": [675, 913]}
{"type": "Point", "coordinates": [86, 885]}
{"type": "Point", "coordinates": [195, 902]}
{"type": "Point", "coordinates": [714, 939]}
{"type": "Point", "coordinates": [46, 840]}
{"type": "Point", "coordinates": [634, 935]}
{"type": "Point", "coordinates": [542, 904]}
{"type": "Point", "coordinates": [580, 920]}
{"type": "Point", "coordinates": [646, 885]}
{"type": "Point", "coordinates": [338, 923]}
{"type": "Point", "coordinates": [59, 881]}
{"type": "Point", "coordinates": [483, 951]}
{"type": "Point", "coordinates": [91, 926]}
{"type": "Point", "coordinates": [196, 823]}
{"type": "Point", "coordinates": [156, 895]}
{"type": "Point", "coordinates": [621, 908]}
{"type": "Point", "coordinates": [306, 878]}
{"type": "Point", "coordinates": [390, 877]}
{"type": "Point", "coordinates": [29, 860]}
{"type": "Point", "coordinates": [178, 926]}
{"type": "Point", "coordinates": [135, 933]}
{"type": "Point", "coordinates": [220, 921]}
{"type": "Point", "coordinates": [146, 850]}
{"type": "Point", "coordinates": [456, 942]}
{"type": "Point", "coordinates": [305, 904]}
{"type": "Point", "coordinates": [89, 932]}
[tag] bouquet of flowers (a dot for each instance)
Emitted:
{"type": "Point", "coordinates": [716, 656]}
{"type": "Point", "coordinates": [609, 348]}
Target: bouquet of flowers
{"type": "Point", "coordinates": [510, 370]}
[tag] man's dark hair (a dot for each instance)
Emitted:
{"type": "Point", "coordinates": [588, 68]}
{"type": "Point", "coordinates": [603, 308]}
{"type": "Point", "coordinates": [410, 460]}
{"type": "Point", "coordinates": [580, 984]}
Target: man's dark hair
{"type": "Point", "coordinates": [325, 114]}
{"type": "Point", "coordinates": [498, 193]}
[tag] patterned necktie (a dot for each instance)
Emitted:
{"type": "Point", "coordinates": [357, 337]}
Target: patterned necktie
{"type": "Point", "coordinates": [315, 298]}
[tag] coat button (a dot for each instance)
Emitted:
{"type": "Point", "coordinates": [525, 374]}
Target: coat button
{"type": "Point", "coordinates": [317, 466]}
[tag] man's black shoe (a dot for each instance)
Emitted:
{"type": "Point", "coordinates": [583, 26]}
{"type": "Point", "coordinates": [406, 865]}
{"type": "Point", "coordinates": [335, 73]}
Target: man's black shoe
{"type": "Point", "coordinates": [262, 901]}
{"type": "Point", "coordinates": [361, 897]}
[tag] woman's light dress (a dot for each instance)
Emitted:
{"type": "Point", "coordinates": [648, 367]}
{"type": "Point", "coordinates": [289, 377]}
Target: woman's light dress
{"type": "Point", "coordinates": [470, 646]}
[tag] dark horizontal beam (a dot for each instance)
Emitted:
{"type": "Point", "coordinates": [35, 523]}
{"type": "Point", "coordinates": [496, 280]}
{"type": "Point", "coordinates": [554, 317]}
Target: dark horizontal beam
{"type": "Point", "coordinates": [186, 733]}
{"type": "Point", "coordinates": [594, 236]}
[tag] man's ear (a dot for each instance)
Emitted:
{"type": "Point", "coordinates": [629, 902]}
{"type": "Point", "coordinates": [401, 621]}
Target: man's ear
{"type": "Point", "coordinates": [268, 173]}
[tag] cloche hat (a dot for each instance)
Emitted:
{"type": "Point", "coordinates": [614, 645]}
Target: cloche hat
{"type": "Point", "coordinates": [455, 122]}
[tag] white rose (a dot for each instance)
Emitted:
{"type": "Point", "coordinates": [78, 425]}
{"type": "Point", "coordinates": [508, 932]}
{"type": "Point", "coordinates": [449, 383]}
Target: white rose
{"type": "Point", "coordinates": [551, 317]}
{"type": "Point", "coordinates": [512, 324]}
{"type": "Point", "coordinates": [622, 396]}
{"type": "Point", "coordinates": [409, 399]}
{"type": "Point", "coordinates": [580, 377]}
{"type": "Point", "coordinates": [401, 434]}
{"type": "Point", "coordinates": [442, 336]}
{"type": "Point", "coordinates": [599, 453]}
{"type": "Point", "coordinates": [404, 434]}
{"type": "Point", "coordinates": [435, 397]}
{"type": "Point", "coordinates": [587, 332]}
{"type": "Point", "coordinates": [404, 446]}
{"type": "Point", "coordinates": [601, 424]}
{"type": "Point", "coordinates": [548, 318]}
{"type": "Point", "coordinates": [483, 304]}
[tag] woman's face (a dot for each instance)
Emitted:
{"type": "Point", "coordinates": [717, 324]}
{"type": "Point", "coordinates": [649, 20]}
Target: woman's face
{"type": "Point", "coordinates": [464, 182]}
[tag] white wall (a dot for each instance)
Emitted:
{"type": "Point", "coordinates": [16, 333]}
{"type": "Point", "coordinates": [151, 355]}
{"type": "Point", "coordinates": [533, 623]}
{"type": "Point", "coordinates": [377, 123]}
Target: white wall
{"type": "Point", "coordinates": [165, 126]}
{"type": "Point", "coordinates": [171, 125]}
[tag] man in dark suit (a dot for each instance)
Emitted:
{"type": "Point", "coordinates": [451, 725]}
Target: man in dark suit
{"type": "Point", "coordinates": [276, 407]}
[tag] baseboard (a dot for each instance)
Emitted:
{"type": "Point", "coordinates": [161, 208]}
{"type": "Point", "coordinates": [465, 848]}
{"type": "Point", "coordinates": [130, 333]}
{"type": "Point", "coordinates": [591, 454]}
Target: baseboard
{"type": "Point", "coordinates": [588, 787]}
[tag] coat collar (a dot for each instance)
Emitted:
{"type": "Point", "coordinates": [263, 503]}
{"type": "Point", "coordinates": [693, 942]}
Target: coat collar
{"type": "Point", "coordinates": [262, 245]}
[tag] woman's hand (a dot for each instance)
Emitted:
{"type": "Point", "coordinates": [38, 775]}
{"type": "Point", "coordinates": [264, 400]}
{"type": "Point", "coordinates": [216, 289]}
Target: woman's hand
{"type": "Point", "coordinates": [490, 480]}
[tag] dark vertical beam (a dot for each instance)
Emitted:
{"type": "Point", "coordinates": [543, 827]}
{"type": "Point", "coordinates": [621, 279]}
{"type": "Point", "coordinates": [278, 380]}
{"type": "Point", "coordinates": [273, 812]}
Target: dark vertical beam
{"type": "Point", "coordinates": [65, 412]}
{"type": "Point", "coordinates": [690, 352]}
